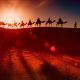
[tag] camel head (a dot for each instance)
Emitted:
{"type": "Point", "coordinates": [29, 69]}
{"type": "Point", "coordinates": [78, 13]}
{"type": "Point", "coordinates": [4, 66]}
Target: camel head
{"type": "Point", "coordinates": [65, 22]}
{"type": "Point", "coordinates": [54, 21]}
{"type": "Point", "coordinates": [43, 21]}
{"type": "Point", "coordinates": [33, 22]}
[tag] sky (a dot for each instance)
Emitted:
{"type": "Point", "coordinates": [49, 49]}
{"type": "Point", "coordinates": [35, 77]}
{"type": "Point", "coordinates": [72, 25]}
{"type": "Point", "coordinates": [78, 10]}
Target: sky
{"type": "Point", "coordinates": [68, 10]}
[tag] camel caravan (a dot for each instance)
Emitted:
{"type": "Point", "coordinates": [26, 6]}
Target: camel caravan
{"type": "Point", "coordinates": [37, 23]}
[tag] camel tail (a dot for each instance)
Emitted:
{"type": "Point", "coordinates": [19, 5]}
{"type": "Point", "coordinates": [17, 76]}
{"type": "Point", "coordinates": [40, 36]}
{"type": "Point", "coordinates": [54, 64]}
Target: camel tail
{"type": "Point", "coordinates": [56, 24]}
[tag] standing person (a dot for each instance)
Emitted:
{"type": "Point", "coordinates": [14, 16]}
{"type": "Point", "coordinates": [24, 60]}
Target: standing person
{"type": "Point", "coordinates": [75, 25]}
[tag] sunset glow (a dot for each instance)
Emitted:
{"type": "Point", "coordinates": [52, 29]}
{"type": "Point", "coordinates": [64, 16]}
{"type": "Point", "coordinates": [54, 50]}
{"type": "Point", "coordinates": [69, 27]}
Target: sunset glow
{"type": "Point", "coordinates": [10, 16]}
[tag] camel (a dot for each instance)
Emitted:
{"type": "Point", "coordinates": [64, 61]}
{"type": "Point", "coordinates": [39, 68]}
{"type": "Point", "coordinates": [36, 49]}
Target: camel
{"type": "Point", "coordinates": [9, 25]}
{"type": "Point", "coordinates": [3, 24]}
{"type": "Point", "coordinates": [30, 23]}
{"type": "Point", "coordinates": [50, 22]}
{"type": "Point", "coordinates": [39, 22]}
{"type": "Point", "coordinates": [12, 25]}
{"type": "Point", "coordinates": [58, 23]}
{"type": "Point", "coordinates": [22, 24]}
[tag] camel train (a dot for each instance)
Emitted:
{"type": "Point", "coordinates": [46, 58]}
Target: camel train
{"type": "Point", "coordinates": [38, 23]}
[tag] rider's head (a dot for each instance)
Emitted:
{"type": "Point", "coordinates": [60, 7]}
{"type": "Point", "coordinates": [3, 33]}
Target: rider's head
{"type": "Point", "coordinates": [22, 21]}
{"type": "Point", "coordinates": [38, 18]}
{"type": "Point", "coordinates": [59, 18]}
{"type": "Point", "coordinates": [49, 18]}
{"type": "Point", "coordinates": [30, 20]}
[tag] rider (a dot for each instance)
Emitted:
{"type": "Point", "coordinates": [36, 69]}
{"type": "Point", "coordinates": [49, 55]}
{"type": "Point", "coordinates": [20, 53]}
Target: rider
{"type": "Point", "coordinates": [22, 22]}
{"type": "Point", "coordinates": [29, 22]}
{"type": "Point", "coordinates": [49, 19]}
{"type": "Point", "coordinates": [38, 20]}
{"type": "Point", "coordinates": [60, 20]}
{"type": "Point", "coordinates": [15, 23]}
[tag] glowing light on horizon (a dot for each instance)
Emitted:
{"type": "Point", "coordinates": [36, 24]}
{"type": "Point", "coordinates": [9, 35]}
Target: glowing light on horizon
{"type": "Point", "coordinates": [10, 16]}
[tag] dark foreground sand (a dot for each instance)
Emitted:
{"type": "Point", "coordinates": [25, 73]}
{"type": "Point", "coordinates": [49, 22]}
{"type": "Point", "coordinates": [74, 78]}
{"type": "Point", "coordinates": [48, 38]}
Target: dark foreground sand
{"type": "Point", "coordinates": [40, 54]}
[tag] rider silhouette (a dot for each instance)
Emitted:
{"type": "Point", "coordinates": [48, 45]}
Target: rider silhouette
{"type": "Point", "coordinates": [29, 22]}
{"type": "Point", "coordinates": [49, 19]}
{"type": "Point", "coordinates": [38, 20]}
{"type": "Point", "coordinates": [15, 23]}
{"type": "Point", "coordinates": [22, 22]}
{"type": "Point", "coordinates": [49, 22]}
{"type": "Point", "coordinates": [60, 20]}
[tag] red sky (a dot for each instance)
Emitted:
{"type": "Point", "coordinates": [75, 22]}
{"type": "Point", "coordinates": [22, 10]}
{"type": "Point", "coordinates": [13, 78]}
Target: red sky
{"type": "Point", "coordinates": [31, 9]}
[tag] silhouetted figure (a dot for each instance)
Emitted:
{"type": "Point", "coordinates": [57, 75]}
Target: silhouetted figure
{"type": "Point", "coordinates": [60, 22]}
{"type": "Point", "coordinates": [30, 23]}
{"type": "Point", "coordinates": [49, 22]}
{"type": "Point", "coordinates": [22, 24]}
{"type": "Point", "coordinates": [75, 25]}
{"type": "Point", "coordinates": [39, 22]}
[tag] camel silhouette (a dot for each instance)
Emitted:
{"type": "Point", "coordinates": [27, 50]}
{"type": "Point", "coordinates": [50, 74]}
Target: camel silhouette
{"type": "Point", "coordinates": [3, 24]}
{"type": "Point", "coordinates": [22, 24]}
{"type": "Point", "coordinates": [9, 25]}
{"type": "Point", "coordinates": [49, 21]}
{"type": "Point", "coordinates": [12, 24]}
{"type": "Point", "coordinates": [60, 22]}
{"type": "Point", "coordinates": [30, 23]}
{"type": "Point", "coordinates": [39, 22]}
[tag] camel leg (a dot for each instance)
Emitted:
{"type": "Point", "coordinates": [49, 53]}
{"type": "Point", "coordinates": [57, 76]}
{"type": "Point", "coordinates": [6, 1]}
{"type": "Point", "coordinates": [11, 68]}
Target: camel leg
{"type": "Point", "coordinates": [31, 25]}
{"type": "Point", "coordinates": [39, 25]}
{"type": "Point", "coordinates": [56, 25]}
{"type": "Point", "coordinates": [46, 24]}
{"type": "Point", "coordinates": [3, 26]}
{"type": "Point", "coordinates": [35, 24]}
{"type": "Point", "coordinates": [51, 24]}
{"type": "Point", "coordinates": [61, 25]}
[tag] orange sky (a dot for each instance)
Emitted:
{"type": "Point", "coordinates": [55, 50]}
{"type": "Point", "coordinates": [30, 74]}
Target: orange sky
{"type": "Point", "coordinates": [32, 9]}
